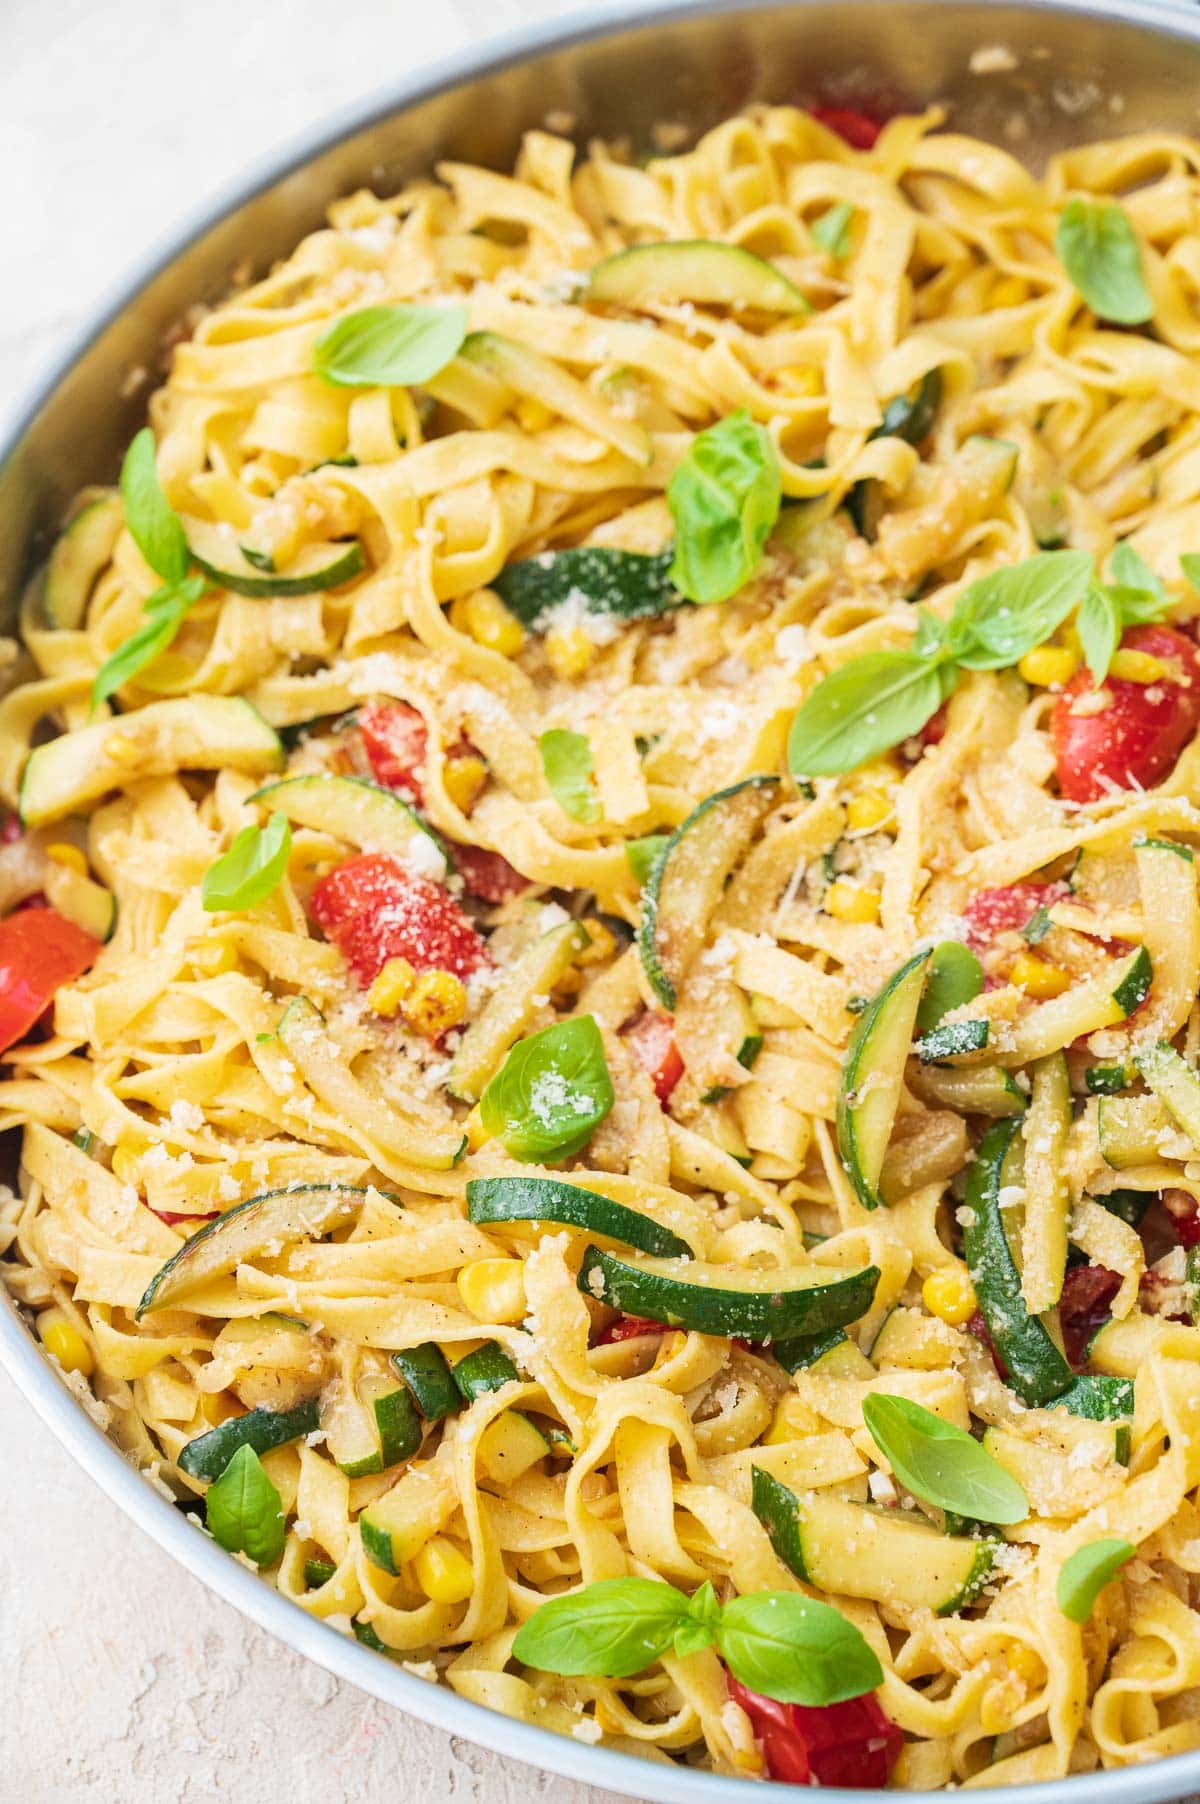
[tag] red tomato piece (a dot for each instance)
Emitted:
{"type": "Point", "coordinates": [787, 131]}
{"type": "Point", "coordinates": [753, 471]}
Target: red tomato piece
{"type": "Point", "coordinates": [995, 911]}
{"type": "Point", "coordinates": [860, 130]}
{"type": "Point", "coordinates": [847, 1744]}
{"type": "Point", "coordinates": [1185, 1217]}
{"type": "Point", "coordinates": [629, 1327]}
{"type": "Point", "coordinates": [40, 951]}
{"type": "Point", "coordinates": [1133, 742]}
{"type": "Point", "coordinates": [374, 908]}
{"type": "Point", "coordinates": [395, 738]}
{"type": "Point", "coordinates": [1087, 1292]}
{"type": "Point", "coordinates": [979, 1328]}
{"type": "Point", "coordinates": [12, 830]}
{"type": "Point", "coordinates": [173, 1218]}
{"type": "Point", "coordinates": [487, 875]}
{"type": "Point", "coordinates": [651, 1040]}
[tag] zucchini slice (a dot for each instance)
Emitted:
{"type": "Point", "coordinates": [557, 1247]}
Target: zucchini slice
{"type": "Point", "coordinates": [370, 1426]}
{"type": "Point", "coordinates": [952, 1039]}
{"type": "Point", "coordinates": [510, 1445]}
{"type": "Point", "coordinates": [613, 585]}
{"type": "Point", "coordinates": [832, 1355]}
{"type": "Point", "coordinates": [426, 1372]}
{"type": "Point", "coordinates": [511, 1007]}
{"type": "Point", "coordinates": [688, 877]}
{"type": "Point", "coordinates": [1175, 1084]}
{"type": "Point", "coordinates": [1047, 1193]}
{"type": "Point", "coordinates": [264, 1223]}
{"type": "Point", "coordinates": [1100, 1001]}
{"type": "Point", "coordinates": [550, 1199]}
{"type": "Point", "coordinates": [702, 270]}
{"type": "Point", "coordinates": [316, 567]}
{"type": "Point", "coordinates": [1167, 883]}
{"type": "Point", "coordinates": [89, 905]}
{"type": "Point", "coordinates": [872, 1077]}
{"type": "Point", "coordinates": [80, 554]}
{"type": "Point", "coordinates": [1101, 1399]}
{"type": "Point", "coordinates": [200, 732]}
{"type": "Point", "coordinates": [762, 1306]}
{"type": "Point", "coordinates": [397, 1525]}
{"type": "Point", "coordinates": [488, 1368]}
{"type": "Point", "coordinates": [971, 1090]}
{"type": "Point", "coordinates": [359, 811]}
{"type": "Point", "coordinates": [1037, 1371]}
{"type": "Point", "coordinates": [1131, 1130]}
{"type": "Point", "coordinates": [209, 1454]}
{"type": "Point", "coordinates": [856, 1550]}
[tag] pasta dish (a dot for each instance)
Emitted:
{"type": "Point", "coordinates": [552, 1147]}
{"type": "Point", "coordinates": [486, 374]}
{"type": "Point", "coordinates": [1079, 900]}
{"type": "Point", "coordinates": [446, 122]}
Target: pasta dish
{"type": "Point", "coordinates": [600, 947]}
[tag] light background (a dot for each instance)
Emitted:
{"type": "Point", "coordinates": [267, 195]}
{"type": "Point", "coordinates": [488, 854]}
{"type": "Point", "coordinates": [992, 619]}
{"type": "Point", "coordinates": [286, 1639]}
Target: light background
{"type": "Point", "coordinates": [125, 1682]}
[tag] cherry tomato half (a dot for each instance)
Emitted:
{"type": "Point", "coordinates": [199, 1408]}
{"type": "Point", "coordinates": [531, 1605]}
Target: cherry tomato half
{"type": "Point", "coordinates": [374, 908]}
{"type": "Point", "coordinates": [40, 950]}
{"type": "Point", "coordinates": [651, 1040]}
{"type": "Point", "coordinates": [1134, 740]}
{"type": "Point", "coordinates": [860, 130]}
{"type": "Point", "coordinates": [394, 738]}
{"type": "Point", "coordinates": [847, 1744]}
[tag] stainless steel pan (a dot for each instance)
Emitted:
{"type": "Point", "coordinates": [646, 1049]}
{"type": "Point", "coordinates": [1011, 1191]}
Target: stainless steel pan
{"type": "Point", "coordinates": [1079, 71]}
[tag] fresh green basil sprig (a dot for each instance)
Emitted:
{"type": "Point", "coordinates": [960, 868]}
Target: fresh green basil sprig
{"type": "Point", "coordinates": [1098, 248]}
{"type": "Point", "coordinates": [873, 703]}
{"type": "Point", "coordinates": [1084, 1575]}
{"type": "Point", "coordinates": [954, 977]}
{"type": "Point", "coordinates": [777, 1643]}
{"type": "Point", "coordinates": [831, 232]}
{"type": "Point", "coordinates": [941, 1463]}
{"type": "Point", "coordinates": [724, 499]}
{"type": "Point", "coordinates": [253, 866]}
{"type": "Point", "coordinates": [567, 763]}
{"type": "Point", "coordinates": [157, 531]}
{"type": "Point", "coordinates": [551, 1093]}
{"type": "Point", "coordinates": [389, 347]}
{"type": "Point", "coordinates": [1133, 596]}
{"type": "Point", "coordinates": [244, 1511]}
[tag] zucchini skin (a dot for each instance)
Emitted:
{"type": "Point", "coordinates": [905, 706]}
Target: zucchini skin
{"type": "Point", "coordinates": [1037, 1371]}
{"type": "Point", "coordinates": [703, 1309]}
{"type": "Point", "coordinates": [549, 1199]}
{"type": "Point", "coordinates": [488, 1368]}
{"type": "Point", "coordinates": [623, 585]}
{"type": "Point", "coordinates": [952, 1038]}
{"type": "Point", "coordinates": [804, 1350]}
{"type": "Point", "coordinates": [209, 1454]}
{"type": "Point", "coordinates": [426, 1372]}
{"type": "Point", "coordinates": [901, 989]}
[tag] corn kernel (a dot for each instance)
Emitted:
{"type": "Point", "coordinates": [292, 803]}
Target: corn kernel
{"type": "Point", "coordinates": [1010, 291]}
{"type": "Point", "coordinates": [1038, 978]}
{"type": "Point", "coordinates": [950, 1295]}
{"type": "Point", "coordinates": [443, 1573]}
{"type": "Point", "coordinates": [63, 1341]}
{"type": "Point", "coordinates": [493, 1290]}
{"type": "Point", "coordinates": [532, 415]}
{"type": "Point", "coordinates": [486, 619]}
{"type": "Point", "coordinates": [464, 779]}
{"type": "Point", "coordinates": [850, 902]}
{"type": "Point", "coordinates": [869, 808]}
{"type": "Point", "coordinates": [61, 852]}
{"type": "Point", "coordinates": [209, 958]}
{"type": "Point", "coordinates": [391, 987]}
{"type": "Point", "coordinates": [1027, 1665]}
{"type": "Point", "coordinates": [793, 1418]}
{"type": "Point", "coordinates": [1049, 666]}
{"type": "Point", "coordinates": [436, 1002]}
{"type": "Point", "coordinates": [1137, 666]}
{"type": "Point", "coordinates": [477, 1134]}
{"type": "Point", "coordinates": [569, 651]}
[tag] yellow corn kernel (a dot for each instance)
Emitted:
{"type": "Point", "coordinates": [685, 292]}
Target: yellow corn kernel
{"type": "Point", "coordinates": [793, 1418]}
{"type": "Point", "coordinates": [443, 1573]}
{"type": "Point", "coordinates": [602, 943]}
{"type": "Point", "coordinates": [493, 1290]}
{"type": "Point", "coordinates": [436, 1002]}
{"type": "Point", "coordinates": [486, 619]}
{"type": "Point", "coordinates": [850, 902]}
{"type": "Point", "coordinates": [532, 415]}
{"type": "Point", "coordinates": [122, 749]}
{"type": "Point", "coordinates": [464, 779]}
{"type": "Point", "coordinates": [1038, 978]}
{"type": "Point", "coordinates": [65, 854]}
{"type": "Point", "coordinates": [477, 1134]}
{"type": "Point", "coordinates": [209, 958]}
{"type": "Point", "coordinates": [1010, 291]}
{"type": "Point", "coordinates": [391, 986]}
{"type": "Point", "coordinates": [950, 1295]}
{"type": "Point", "coordinates": [800, 381]}
{"type": "Point", "coordinates": [1049, 666]}
{"type": "Point", "coordinates": [1027, 1665]}
{"type": "Point", "coordinates": [569, 651]}
{"type": "Point", "coordinates": [62, 1339]}
{"type": "Point", "coordinates": [1137, 666]}
{"type": "Point", "coordinates": [869, 808]}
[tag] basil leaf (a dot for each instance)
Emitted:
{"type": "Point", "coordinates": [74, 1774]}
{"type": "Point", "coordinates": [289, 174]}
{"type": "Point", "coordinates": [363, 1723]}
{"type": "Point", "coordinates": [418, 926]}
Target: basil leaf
{"type": "Point", "coordinates": [1084, 1576]}
{"type": "Point", "coordinates": [832, 231]}
{"type": "Point", "coordinates": [930, 636]}
{"type": "Point", "coordinates": [690, 1637]}
{"type": "Point", "coordinates": [941, 1463]}
{"type": "Point", "coordinates": [1139, 607]}
{"type": "Point", "coordinates": [251, 869]}
{"type": "Point", "coordinates": [551, 1093]}
{"type": "Point", "coordinates": [862, 710]}
{"type": "Point", "coordinates": [795, 1649]}
{"type": "Point", "coordinates": [954, 976]}
{"type": "Point", "coordinates": [640, 854]}
{"type": "Point", "coordinates": [567, 762]}
{"type": "Point", "coordinates": [388, 347]}
{"type": "Point", "coordinates": [1099, 626]}
{"type": "Point", "coordinates": [1189, 563]}
{"type": "Point", "coordinates": [1129, 570]}
{"type": "Point", "coordinates": [1099, 250]}
{"type": "Point", "coordinates": [610, 1630]}
{"type": "Point", "coordinates": [1004, 614]}
{"type": "Point", "coordinates": [165, 613]}
{"type": "Point", "coordinates": [724, 499]}
{"type": "Point", "coordinates": [244, 1511]}
{"type": "Point", "coordinates": [156, 528]}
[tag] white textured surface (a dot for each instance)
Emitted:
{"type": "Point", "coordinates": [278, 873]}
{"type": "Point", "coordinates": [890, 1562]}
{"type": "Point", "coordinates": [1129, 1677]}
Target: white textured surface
{"type": "Point", "coordinates": [125, 1682]}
